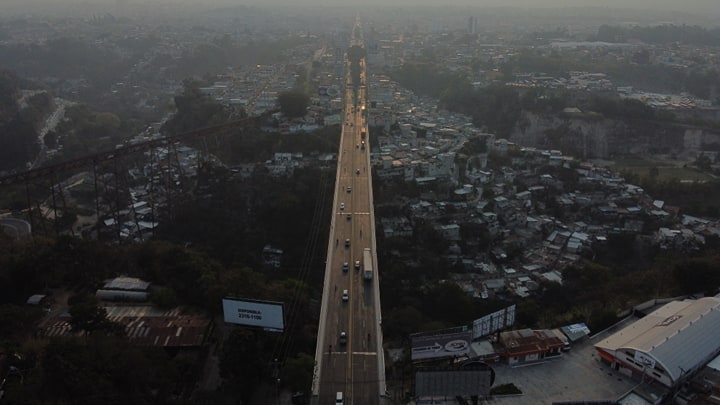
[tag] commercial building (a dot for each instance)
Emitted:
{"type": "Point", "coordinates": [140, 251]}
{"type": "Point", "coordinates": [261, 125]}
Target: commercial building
{"type": "Point", "coordinates": [527, 345]}
{"type": "Point", "coordinates": [124, 289]}
{"type": "Point", "coordinates": [668, 344]}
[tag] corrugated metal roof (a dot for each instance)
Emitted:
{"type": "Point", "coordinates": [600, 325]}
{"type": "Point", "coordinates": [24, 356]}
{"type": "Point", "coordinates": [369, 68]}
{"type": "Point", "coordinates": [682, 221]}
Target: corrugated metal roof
{"type": "Point", "coordinates": [121, 295]}
{"type": "Point", "coordinates": [447, 382]}
{"type": "Point", "coordinates": [715, 364]}
{"type": "Point", "coordinates": [126, 283]}
{"type": "Point", "coordinates": [575, 331]}
{"type": "Point", "coordinates": [680, 335]}
{"type": "Point", "coordinates": [36, 299]}
{"type": "Point", "coordinates": [147, 326]}
{"type": "Point", "coordinates": [524, 341]}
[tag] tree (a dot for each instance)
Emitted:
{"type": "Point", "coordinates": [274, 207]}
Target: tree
{"type": "Point", "coordinates": [194, 110]}
{"type": "Point", "coordinates": [103, 370]}
{"type": "Point", "coordinates": [698, 275]}
{"type": "Point", "coordinates": [402, 322]}
{"type": "Point", "coordinates": [9, 91]}
{"type": "Point", "coordinates": [17, 320]}
{"type": "Point", "coordinates": [164, 297]}
{"type": "Point", "coordinates": [18, 140]}
{"type": "Point", "coordinates": [293, 103]}
{"type": "Point", "coordinates": [242, 361]}
{"type": "Point", "coordinates": [653, 172]}
{"type": "Point", "coordinates": [703, 162]}
{"type": "Point", "coordinates": [507, 72]}
{"type": "Point", "coordinates": [298, 371]}
{"type": "Point", "coordinates": [88, 315]}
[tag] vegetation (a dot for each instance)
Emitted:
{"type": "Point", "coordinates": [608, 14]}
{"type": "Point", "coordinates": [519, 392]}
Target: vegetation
{"type": "Point", "coordinates": [660, 34]}
{"type": "Point", "coordinates": [67, 58]}
{"type": "Point", "coordinates": [227, 222]}
{"type": "Point", "coordinates": [650, 77]}
{"type": "Point", "coordinates": [214, 236]}
{"type": "Point", "coordinates": [18, 135]}
{"type": "Point", "coordinates": [87, 315]}
{"type": "Point", "coordinates": [224, 52]}
{"type": "Point", "coordinates": [496, 107]}
{"type": "Point", "coordinates": [355, 55]}
{"type": "Point", "coordinates": [694, 198]}
{"type": "Point", "coordinates": [428, 80]}
{"type": "Point", "coordinates": [38, 107]}
{"type": "Point", "coordinates": [625, 272]}
{"type": "Point", "coordinates": [293, 103]}
{"type": "Point", "coordinates": [85, 131]}
{"type": "Point", "coordinates": [97, 369]}
{"type": "Point", "coordinates": [194, 110]}
{"type": "Point", "coordinates": [69, 369]}
{"type": "Point", "coordinates": [242, 216]}
{"type": "Point", "coordinates": [250, 144]}
{"type": "Point", "coordinates": [16, 321]}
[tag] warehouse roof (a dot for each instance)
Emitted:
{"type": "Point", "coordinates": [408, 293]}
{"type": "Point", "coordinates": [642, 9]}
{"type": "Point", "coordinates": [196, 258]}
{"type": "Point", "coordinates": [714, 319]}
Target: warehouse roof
{"type": "Point", "coordinates": [681, 335]}
{"type": "Point", "coordinates": [146, 325]}
{"type": "Point", "coordinates": [126, 283]}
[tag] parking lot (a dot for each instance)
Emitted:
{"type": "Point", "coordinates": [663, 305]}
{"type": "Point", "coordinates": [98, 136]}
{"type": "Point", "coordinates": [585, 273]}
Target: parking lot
{"type": "Point", "coordinates": [577, 375]}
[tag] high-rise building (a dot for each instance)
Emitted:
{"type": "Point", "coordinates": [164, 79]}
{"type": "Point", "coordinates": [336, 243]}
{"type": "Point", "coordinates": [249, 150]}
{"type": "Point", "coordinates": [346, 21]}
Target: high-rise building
{"type": "Point", "coordinates": [472, 25]}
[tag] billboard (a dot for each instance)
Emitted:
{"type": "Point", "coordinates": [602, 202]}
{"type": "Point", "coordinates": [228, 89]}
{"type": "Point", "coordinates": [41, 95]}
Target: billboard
{"type": "Point", "coordinates": [452, 382]}
{"type": "Point", "coordinates": [440, 345]}
{"type": "Point", "coordinates": [262, 314]}
{"type": "Point", "coordinates": [494, 322]}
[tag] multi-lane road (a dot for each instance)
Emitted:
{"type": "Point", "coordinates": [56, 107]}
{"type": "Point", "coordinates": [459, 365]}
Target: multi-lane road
{"type": "Point", "coordinates": [349, 356]}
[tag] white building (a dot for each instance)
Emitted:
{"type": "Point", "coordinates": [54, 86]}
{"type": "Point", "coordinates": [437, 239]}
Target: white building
{"type": "Point", "coordinates": [668, 344]}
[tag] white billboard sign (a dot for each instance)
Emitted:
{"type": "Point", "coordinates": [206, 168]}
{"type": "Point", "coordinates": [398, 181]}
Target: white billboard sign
{"type": "Point", "coordinates": [441, 345]}
{"type": "Point", "coordinates": [263, 314]}
{"type": "Point", "coordinates": [494, 322]}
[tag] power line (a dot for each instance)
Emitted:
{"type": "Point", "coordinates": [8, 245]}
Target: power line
{"type": "Point", "coordinates": [286, 343]}
{"type": "Point", "coordinates": [104, 156]}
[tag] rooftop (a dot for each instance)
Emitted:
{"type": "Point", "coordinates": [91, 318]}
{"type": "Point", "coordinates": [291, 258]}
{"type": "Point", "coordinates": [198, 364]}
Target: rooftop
{"type": "Point", "coordinates": [126, 283]}
{"type": "Point", "coordinates": [679, 335]}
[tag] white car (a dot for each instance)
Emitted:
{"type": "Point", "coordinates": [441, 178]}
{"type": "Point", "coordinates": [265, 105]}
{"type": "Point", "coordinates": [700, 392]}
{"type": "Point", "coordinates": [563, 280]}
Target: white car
{"type": "Point", "coordinates": [345, 296]}
{"type": "Point", "coordinates": [342, 206]}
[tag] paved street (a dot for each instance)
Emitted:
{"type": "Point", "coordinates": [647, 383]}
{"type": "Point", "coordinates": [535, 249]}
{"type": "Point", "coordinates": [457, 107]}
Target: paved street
{"type": "Point", "coordinates": [576, 376]}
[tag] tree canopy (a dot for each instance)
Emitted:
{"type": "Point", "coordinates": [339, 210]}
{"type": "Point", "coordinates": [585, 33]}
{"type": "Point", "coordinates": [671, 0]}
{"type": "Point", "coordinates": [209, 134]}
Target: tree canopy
{"type": "Point", "coordinates": [293, 103]}
{"type": "Point", "coordinates": [194, 110]}
{"type": "Point", "coordinates": [18, 136]}
{"type": "Point", "coordinates": [660, 34]}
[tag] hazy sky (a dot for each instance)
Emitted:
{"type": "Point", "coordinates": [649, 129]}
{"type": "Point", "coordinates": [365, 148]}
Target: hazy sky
{"type": "Point", "coordinates": [705, 8]}
{"type": "Point", "coordinates": [680, 5]}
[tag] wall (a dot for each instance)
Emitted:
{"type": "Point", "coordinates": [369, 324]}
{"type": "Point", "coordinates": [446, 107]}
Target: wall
{"type": "Point", "coordinates": [593, 136]}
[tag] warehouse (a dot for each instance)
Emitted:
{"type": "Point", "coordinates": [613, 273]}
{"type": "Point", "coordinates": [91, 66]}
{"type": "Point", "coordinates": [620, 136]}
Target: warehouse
{"type": "Point", "coordinates": [668, 344]}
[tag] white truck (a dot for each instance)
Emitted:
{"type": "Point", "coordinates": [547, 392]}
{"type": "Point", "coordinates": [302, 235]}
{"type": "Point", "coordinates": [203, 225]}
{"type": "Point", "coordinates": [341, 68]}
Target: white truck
{"type": "Point", "coordinates": [367, 264]}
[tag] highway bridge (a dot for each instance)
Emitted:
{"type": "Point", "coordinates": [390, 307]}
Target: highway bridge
{"type": "Point", "coordinates": [349, 356]}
